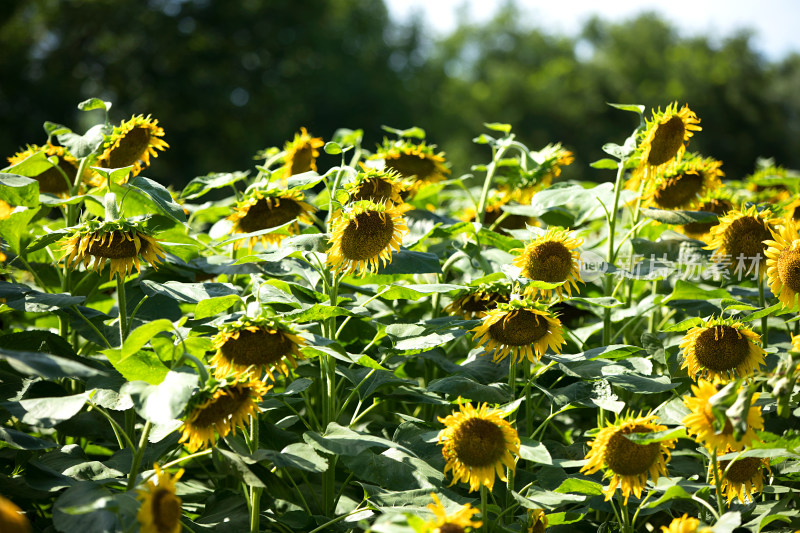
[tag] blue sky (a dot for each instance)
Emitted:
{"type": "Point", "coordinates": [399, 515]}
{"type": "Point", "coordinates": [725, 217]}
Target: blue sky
{"type": "Point", "coordinates": [774, 22]}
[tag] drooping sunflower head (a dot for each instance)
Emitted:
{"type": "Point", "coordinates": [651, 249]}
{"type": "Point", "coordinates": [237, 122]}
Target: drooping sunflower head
{"type": "Point", "coordinates": [161, 507]}
{"type": "Point", "coordinates": [665, 136]}
{"type": "Point", "coordinates": [459, 522]}
{"type": "Point", "coordinates": [717, 201]}
{"type": "Point", "coordinates": [378, 186]}
{"type": "Point", "coordinates": [52, 180]}
{"type": "Point", "coordinates": [364, 235]}
{"type": "Point", "coordinates": [417, 162]}
{"type": "Point", "coordinates": [12, 519]}
{"type": "Point", "coordinates": [301, 154]}
{"type": "Point", "coordinates": [552, 258]}
{"type": "Point", "coordinates": [272, 208]}
{"type": "Point", "coordinates": [494, 212]}
{"type": "Point", "coordinates": [741, 478]}
{"type": "Point", "coordinates": [122, 242]}
{"type": "Point", "coordinates": [522, 328]}
{"type": "Point", "coordinates": [767, 180]}
{"type": "Point", "coordinates": [133, 142]}
{"type": "Point", "coordinates": [702, 422]}
{"type": "Point", "coordinates": [721, 349]}
{"type": "Point", "coordinates": [520, 184]}
{"type": "Point", "coordinates": [628, 463]}
{"type": "Point", "coordinates": [219, 408]}
{"type": "Point", "coordinates": [254, 346]}
{"type": "Point", "coordinates": [740, 237]}
{"type": "Point", "coordinates": [685, 524]}
{"type": "Point", "coordinates": [475, 302]}
{"type": "Point", "coordinates": [680, 185]}
{"type": "Point", "coordinates": [476, 444]}
{"type": "Point", "coordinates": [536, 521]}
{"type": "Point", "coordinates": [783, 264]}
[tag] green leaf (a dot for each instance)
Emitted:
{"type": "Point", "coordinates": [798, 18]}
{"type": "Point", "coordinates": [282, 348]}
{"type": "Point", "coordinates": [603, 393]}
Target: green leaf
{"type": "Point", "coordinates": [46, 365]}
{"type": "Point", "coordinates": [535, 451]}
{"type": "Point", "coordinates": [633, 108]}
{"type": "Point", "coordinates": [51, 128]}
{"type": "Point", "coordinates": [20, 190]}
{"type": "Point", "coordinates": [161, 196]}
{"type": "Point", "coordinates": [685, 290]}
{"type": "Point", "coordinates": [642, 384]}
{"type": "Point", "coordinates": [114, 175]}
{"type": "Point", "coordinates": [580, 486]}
{"type": "Point", "coordinates": [658, 436]}
{"type": "Point", "coordinates": [214, 306]}
{"type": "Point", "coordinates": [306, 180]}
{"type": "Point", "coordinates": [47, 412]}
{"type": "Point", "coordinates": [774, 310]}
{"type": "Point", "coordinates": [408, 262]}
{"type": "Point", "coordinates": [47, 239]}
{"type": "Point", "coordinates": [80, 508]}
{"type": "Point", "coordinates": [16, 226]}
{"type": "Point", "coordinates": [675, 492]}
{"type": "Point", "coordinates": [343, 441]}
{"type": "Point", "coordinates": [679, 217]}
{"type": "Point", "coordinates": [684, 325]}
{"type": "Point", "coordinates": [201, 185]}
{"type": "Point", "coordinates": [332, 148]}
{"type": "Point", "coordinates": [142, 335]}
{"type": "Point", "coordinates": [498, 126]}
{"type": "Point", "coordinates": [81, 146]}
{"type": "Point", "coordinates": [604, 302]}
{"type": "Point", "coordinates": [192, 293]}
{"type": "Point", "coordinates": [417, 291]}
{"type": "Point", "coordinates": [413, 132]}
{"type": "Point", "coordinates": [144, 365]}
{"type": "Point", "coordinates": [94, 103]}
{"type": "Point", "coordinates": [23, 441]}
{"type": "Point", "coordinates": [162, 403]}
{"type": "Point", "coordinates": [298, 455]}
{"type": "Point", "coordinates": [458, 385]}
{"type": "Point", "coordinates": [605, 164]}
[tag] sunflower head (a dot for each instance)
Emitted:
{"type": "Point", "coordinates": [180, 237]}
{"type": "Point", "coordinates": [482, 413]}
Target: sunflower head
{"type": "Point", "coordinates": [536, 521]}
{"type": "Point", "coordinates": [133, 142]}
{"type": "Point", "coordinates": [740, 236]}
{"type": "Point", "coordinates": [522, 328]}
{"type": "Point", "coordinates": [301, 154]}
{"type": "Point", "coordinates": [783, 264]}
{"type": "Point", "coordinates": [219, 408]}
{"type": "Point", "coordinates": [720, 349]}
{"type": "Point", "coordinates": [685, 524]}
{"type": "Point", "coordinates": [551, 258]}
{"type": "Point", "coordinates": [476, 444]}
{"type": "Point", "coordinates": [254, 346]}
{"type": "Point", "coordinates": [122, 242]}
{"type": "Point", "coordinates": [364, 235]}
{"type": "Point", "coordinates": [718, 202]}
{"type": "Point", "coordinates": [459, 522]}
{"type": "Point", "coordinates": [475, 302]}
{"type": "Point", "coordinates": [12, 519]}
{"type": "Point", "coordinates": [52, 180]}
{"type": "Point", "coordinates": [680, 185]}
{"type": "Point", "coordinates": [264, 209]}
{"type": "Point", "coordinates": [161, 507]}
{"type": "Point", "coordinates": [628, 463]}
{"type": "Point", "coordinates": [519, 183]}
{"type": "Point", "coordinates": [741, 478]}
{"type": "Point", "coordinates": [417, 162]}
{"type": "Point", "coordinates": [766, 180]}
{"type": "Point", "coordinates": [665, 135]}
{"type": "Point", "coordinates": [377, 186]}
{"type": "Point", "coordinates": [702, 422]}
{"type": "Point", "coordinates": [494, 210]}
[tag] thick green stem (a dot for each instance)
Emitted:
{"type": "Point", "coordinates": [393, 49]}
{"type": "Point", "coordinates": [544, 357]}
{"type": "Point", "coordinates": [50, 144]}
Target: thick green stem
{"type": "Point", "coordinates": [123, 310]}
{"type": "Point", "coordinates": [717, 483]}
{"type": "Point", "coordinates": [255, 492]}
{"type": "Point", "coordinates": [484, 506]}
{"type": "Point", "coordinates": [512, 385]}
{"type": "Point", "coordinates": [487, 183]}
{"type": "Point", "coordinates": [137, 457]}
{"type": "Point", "coordinates": [763, 303]}
{"type": "Point", "coordinates": [612, 225]}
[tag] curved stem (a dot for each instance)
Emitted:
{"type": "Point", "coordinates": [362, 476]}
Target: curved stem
{"type": "Point", "coordinates": [487, 182]}
{"type": "Point", "coordinates": [137, 458]}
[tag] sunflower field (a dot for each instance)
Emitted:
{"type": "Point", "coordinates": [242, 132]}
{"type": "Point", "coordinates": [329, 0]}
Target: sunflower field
{"type": "Point", "coordinates": [352, 338]}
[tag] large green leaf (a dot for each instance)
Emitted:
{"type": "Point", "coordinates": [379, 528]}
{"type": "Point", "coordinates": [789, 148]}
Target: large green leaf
{"type": "Point", "coordinates": [18, 190]}
{"type": "Point", "coordinates": [46, 365]}
{"type": "Point", "coordinates": [162, 403]}
{"type": "Point", "coordinates": [47, 412]}
{"type": "Point", "coordinates": [160, 196]}
{"type": "Point", "coordinates": [216, 180]}
{"type": "Point", "coordinates": [192, 293]}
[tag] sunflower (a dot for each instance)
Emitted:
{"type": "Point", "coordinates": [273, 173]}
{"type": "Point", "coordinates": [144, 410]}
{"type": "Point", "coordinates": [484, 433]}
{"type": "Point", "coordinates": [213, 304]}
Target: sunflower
{"type": "Point", "coordinates": [792, 209]}
{"type": "Point", "coordinates": [493, 212]}
{"type": "Point", "coordinates": [459, 522]}
{"type": "Point", "coordinates": [364, 235]}
{"type": "Point", "coordinates": [522, 328]}
{"type": "Point", "coordinates": [717, 202]}
{"type": "Point", "coordinates": [536, 521]}
{"type": "Point", "coordinates": [256, 345]}
{"type": "Point", "coordinates": [701, 419]}
{"type": "Point", "coordinates": [417, 162]}
{"type": "Point", "coordinates": [679, 185]}
{"type": "Point", "coordinates": [222, 407]}
{"type": "Point", "coordinates": [475, 302]}
{"type": "Point", "coordinates": [551, 258]}
{"type": "Point", "coordinates": [5, 210]}
{"type": "Point", "coordinates": [520, 184]}
{"type": "Point", "coordinates": [684, 524]}
{"type": "Point", "coordinates": [51, 181]}
{"type": "Point", "coordinates": [133, 142]}
{"type": "Point", "coordinates": [477, 443]}
{"type": "Point", "coordinates": [741, 235]}
{"type": "Point", "coordinates": [265, 209]}
{"type": "Point", "coordinates": [664, 137]}
{"type": "Point", "coordinates": [301, 154]}
{"type": "Point", "coordinates": [742, 479]}
{"type": "Point", "coordinates": [12, 519]}
{"type": "Point", "coordinates": [783, 264]}
{"type": "Point", "coordinates": [721, 348]}
{"type": "Point", "coordinates": [378, 186]}
{"type": "Point", "coordinates": [121, 241]}
{"type": "Point", "coordinates": [161, 507]}
{"type": "Point", "coordinates": [627, 463]}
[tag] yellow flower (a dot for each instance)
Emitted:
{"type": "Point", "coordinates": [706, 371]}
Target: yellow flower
{"type": "Point", "coordinates": [740, 479]}
{"type": "Point", "coordinates": [664, 137]}
{"type": "Point", "coordinates": [783, 264]}
{"type": "Point", "coordinates": [521, 328]}
{"type": "Point", "coordinates": [12, 519]}
{"type": "Point", "coordinates": [792, 209]}
{"type": "Point", "coordinates": [685, 524]}
{"type": "Point", "coordinates": [741, 235]}
{"type": "Point", "coordinates": [717, 203]}
{"type": "Point", "coordinates": [476, 301]}
{"type": "Point", "coordinates": [477, 443]}
{"type": "Point", "coordinates": [679, 185]}
{"type": "Point", "coordinates": [627, 463]}
{"type": "Point", "coordinates": [133, 142]}
{"type": "Point", "coordinates": [536, 521]}
{"type": "Point", "coordinates": [254, 346]}
{"type": "Point", "coordinates": [700, 421]}
{"type": "Point", "coordinates": [377, 186]}
{"type": "Point", "coordinates": [721, 348]}
{"type": "Point", "coordinates": [301, 154]}
{"type": "Point", "coordinates": [121, 241]}
{"type": "Point", "coordinates": [519, 184]}
{"type": "Point", "coordinates": [551, 258]}
{"type": "Point", "coordinates": [364, 235]}
{"type": "Point", "coordinates": [418, 162]}
{"type": "Point", "coordinates": [265, 209]}
{"type": "Point", "coordinates": [52, 180]}
{"type": "Point", "coordinates": [459, 522]}
{"type": "Point", "coordinates": [220, 412]}
{"type": "Point", "coordinates": [161, 507]}
{"type": "Point", "coordinates": [5, 209]}
{"type": "Point", "coordinates": [494, 210]}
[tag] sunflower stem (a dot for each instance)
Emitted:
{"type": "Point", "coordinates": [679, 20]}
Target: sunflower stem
{"type": "Point", "coordinates": [626, 517]}
{"type": "Point", "coordinates": [137, 457]}
{"type": "Point", "coordinates": [484, 506]}
{"type": "Point", "coordinates": [123, 311]}
{"type": "Point", "coordinates": [717, 483]}
{"type": "Point", "coordinates": [612, 224]}
{"type": "Point", "coordinates": [763, 303]}
{"type": "Point", "coordinates": [487, 182]}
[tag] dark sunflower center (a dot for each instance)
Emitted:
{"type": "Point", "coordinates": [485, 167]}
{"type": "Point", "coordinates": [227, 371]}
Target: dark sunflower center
{"type": "Point", "coordinates": [789, 268]}
{"type": "Point", "coordinates": [721, 348]}
{"type": "Point", "coordinates": [256, 348]}
{"type": "Point", "coordinates": [367, 236]}
{"type": "Point", "coordinates": [166, 509]}
{"type": "Point", "coordinates": [549, 261]}
{"type": "Point", "coordinates": [222, 408]}
{"type": "Point", "coordinates": [627, 458]}
{"type": "Point", "coordinates": [720, 207]}
{"type": "Point", "coordinates": [269, 213]}
{"type": "Point", "coordinates": [130, 149]}
{"type": "Point", "coordinates": [478, 442]}
{"type": "Point", "coordinates": [538, 527]}
{"type": "Point", "coordinates": [303, 160]}
{"type": "Point", "coordinates": [796, 213]}
{"type": "Point", "coordinates": [745, 237]}
{"type": "Point", "coordinates": [742, 470]}
{"type": "Point", "coordinates": [117, 247]}
{"type": "Point", "coordinates": [519, 328]}
{"type": "Point", "coordinates": [481, 301]}
{"type": "Point", "coordinates": [377, 190]}
{"type": "Point", "coordinates": [412, 165]}
{"type": "Point", "coordinates": [667, 140]}
{"type": "Point", "coordinates": [53, 182]}
{"type": "Point", "coordinates": [679, 191]}
{"type": "Point", "coordinates": [449, 527]}
{"type": "Point", "coordinates": [510, 222]}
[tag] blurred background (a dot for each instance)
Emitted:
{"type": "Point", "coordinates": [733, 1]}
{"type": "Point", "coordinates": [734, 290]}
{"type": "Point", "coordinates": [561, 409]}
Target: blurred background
{"type": "Point", "coordinates": [227, 79]}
